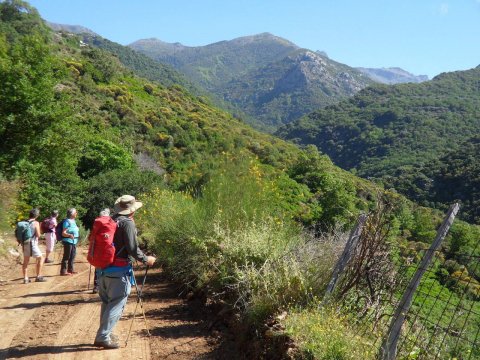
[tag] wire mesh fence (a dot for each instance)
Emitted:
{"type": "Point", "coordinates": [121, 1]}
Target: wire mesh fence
{"type": "Point", "coordinates": [442, 320]}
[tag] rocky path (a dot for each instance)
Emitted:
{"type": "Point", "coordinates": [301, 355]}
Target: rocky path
{"type": "Point", "coordinates": [58, 319]}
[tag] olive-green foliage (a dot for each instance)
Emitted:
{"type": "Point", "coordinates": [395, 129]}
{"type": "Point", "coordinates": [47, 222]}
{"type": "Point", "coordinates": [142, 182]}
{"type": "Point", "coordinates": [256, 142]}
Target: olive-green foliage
{"type": "Point", "coordinates": [237, 235]}
{"type": "Point", "coordinates": [49, 148]}
{"type": "Point", "coordinates": [102, 190]}
{"type": "Point", "coordinates": [334, 196]}
{"type": "Point", "coordinates": [141, 64]}
{"type": "Point", "coordinates": [414, 137]}
{"type": "Point", "coordinates": [74, 118]}
{"type": "Point", "coordinates": [454, 176]}
{"type": "Point", "coordinates": [92, 115]}
{"type": "Point", "coordinates": [8, 190]}
{"type": "Point", "coordinates": [326, 335]}
{"type": "Point", "coordinates": [102, 156]}
{"type": "Point", "coordinates": [263, 76]}
{"type": "Point", "coordinates": [27, 105]}
{"type": "Point", "coordinates": [18, 18]}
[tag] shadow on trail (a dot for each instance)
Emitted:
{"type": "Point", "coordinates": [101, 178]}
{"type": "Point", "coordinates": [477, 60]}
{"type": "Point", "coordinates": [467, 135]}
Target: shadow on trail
{"type": "Point", "coordinates": [195, 320]}
{"type": "Point", "coordinates": [53, 293]}
{"type": "Point", "coordinates": [57, 303]}
{"type": "Point", "coordinates": [178, 331]}
{"type": "Point", "coordinates": [177, 312]}
{"type": "Point", "coordinates": [20, 351]}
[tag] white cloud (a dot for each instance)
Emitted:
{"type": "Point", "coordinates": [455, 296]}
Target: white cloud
{"type": "Point", "coordinates": [444, 8]}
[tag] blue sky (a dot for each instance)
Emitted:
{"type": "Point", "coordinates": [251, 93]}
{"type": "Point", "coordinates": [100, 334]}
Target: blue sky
{"type": "Point", "coordinates": [420, 36]}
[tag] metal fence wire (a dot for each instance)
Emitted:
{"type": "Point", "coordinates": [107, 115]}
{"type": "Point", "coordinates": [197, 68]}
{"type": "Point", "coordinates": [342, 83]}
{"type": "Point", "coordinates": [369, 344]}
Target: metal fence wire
{"type": "Point", "coordinates": [413, 308]}
{"type": "Point", "coordinates": [444, 320]}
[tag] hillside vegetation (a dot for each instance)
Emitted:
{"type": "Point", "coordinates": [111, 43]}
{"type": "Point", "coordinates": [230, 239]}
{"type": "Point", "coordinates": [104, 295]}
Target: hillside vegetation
{"type": "Point", "coordinates": [231, 212]}
{"type": "Point", "coordinates": [268, 78]}
{"type": "Point", "coordinates": [403, 134]}
{"type": "Point", "coordinates": [81, 114]}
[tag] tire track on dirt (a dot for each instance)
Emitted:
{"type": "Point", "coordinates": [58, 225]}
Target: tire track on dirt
{"type": "Point", "coordinates": [58, 319]}
{"type": "Point", "coordinates": [20, 302]}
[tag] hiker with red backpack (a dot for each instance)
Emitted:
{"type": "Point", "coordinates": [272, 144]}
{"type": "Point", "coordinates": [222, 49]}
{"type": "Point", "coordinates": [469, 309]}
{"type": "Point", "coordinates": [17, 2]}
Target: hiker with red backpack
{"type": "Point", "coordinates": [113, 248]}
{"type": "Point", "coordinates": [27, 233]}
{"type": "Point", "coordinates": [69, 234]}
{"type": "Point", "coordinates": [95, 232]}
{"type": "Point", "coordinates": [47, 227]}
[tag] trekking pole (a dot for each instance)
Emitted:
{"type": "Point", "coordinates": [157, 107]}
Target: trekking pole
{"type": "Point", "coordinates": [89, 276]}
{"type": "Point", "coordinates": [141, 303]}
{"type": "Point", "coordinates": [139, 300]}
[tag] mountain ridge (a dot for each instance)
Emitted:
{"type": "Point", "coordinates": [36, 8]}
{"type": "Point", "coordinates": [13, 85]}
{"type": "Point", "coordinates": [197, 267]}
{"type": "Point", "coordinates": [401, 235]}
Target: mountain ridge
{"type": "Point", "coordinates": [74, 29]}
{"type": "Point", "coordinates": [392, 75]}
{"type": "Point", "coordinates": [227, 67]}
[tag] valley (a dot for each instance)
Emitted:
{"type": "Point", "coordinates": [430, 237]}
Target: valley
{"type": "Point", "coordinates": [263, 169]}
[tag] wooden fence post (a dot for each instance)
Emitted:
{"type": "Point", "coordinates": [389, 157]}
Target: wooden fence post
{"type": "Point", "coordinates": [388, 350]}
{"type": "Point", "coordinates": [345, 257]}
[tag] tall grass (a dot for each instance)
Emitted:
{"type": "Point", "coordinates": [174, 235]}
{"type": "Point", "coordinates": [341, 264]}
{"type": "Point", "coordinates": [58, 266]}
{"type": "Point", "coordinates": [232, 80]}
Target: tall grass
{"type": "Point", "coordinates": [327, 335]}
{"type": "Point", "coordinates": [234, 239]}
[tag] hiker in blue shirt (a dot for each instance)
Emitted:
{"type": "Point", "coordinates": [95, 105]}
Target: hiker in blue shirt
{"type": "Point", "coordinates": [114, 281]}
{"type": "Point", "coordinates": [70, 233]}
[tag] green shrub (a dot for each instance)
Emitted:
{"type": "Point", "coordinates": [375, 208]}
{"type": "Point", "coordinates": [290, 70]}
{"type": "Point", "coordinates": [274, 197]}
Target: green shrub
{"type": "Point", "coordinates": [102, 190]}
{"type": "Point", "coordinates": [103, 155]}
{"type": "Point", "coordinates": [293, 272]}
{"type": "Point", "coordinates": [233, 238]}
{"type": "Point", "coordinates": [326, 335]}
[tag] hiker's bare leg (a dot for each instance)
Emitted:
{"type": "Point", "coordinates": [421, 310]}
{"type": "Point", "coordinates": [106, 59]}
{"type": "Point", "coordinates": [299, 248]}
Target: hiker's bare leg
{"type": "Point", "coordinates": [47, 254]}
{"type": "Point", "coordinates": [26, 260]}
{"type": "Point", "coordinates": [39, 265]}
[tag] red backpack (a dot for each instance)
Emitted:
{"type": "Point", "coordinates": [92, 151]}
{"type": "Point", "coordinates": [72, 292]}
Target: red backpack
{"type": "Point", "coordinates": [45, 226]}
{"type": "Point", "coordinates": [101, 250]}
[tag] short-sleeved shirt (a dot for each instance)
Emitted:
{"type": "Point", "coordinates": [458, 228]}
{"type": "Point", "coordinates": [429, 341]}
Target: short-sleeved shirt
{"type": "Point", "coordinates": [52, 223]}
{"type": "Point", "coordinates": [70, 226]}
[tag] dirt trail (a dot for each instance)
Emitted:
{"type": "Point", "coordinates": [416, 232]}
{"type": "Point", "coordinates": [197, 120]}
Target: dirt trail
{"type": "Point", "coordinates": [58, 319]}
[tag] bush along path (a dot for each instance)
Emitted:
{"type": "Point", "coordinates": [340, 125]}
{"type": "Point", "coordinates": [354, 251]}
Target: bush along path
{"type": "Point", "coordinates": [58, 319]}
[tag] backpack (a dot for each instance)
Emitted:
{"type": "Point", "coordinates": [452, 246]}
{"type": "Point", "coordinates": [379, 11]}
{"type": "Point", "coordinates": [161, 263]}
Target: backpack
{"type": "Point", "coordinates": [23, 231]}
{"type": "Point", "coordinates": [45, 226]}
{"type": "Point", "coordinates": [59, 230]}
{"type": "Point", "coordinates": [101, 249]}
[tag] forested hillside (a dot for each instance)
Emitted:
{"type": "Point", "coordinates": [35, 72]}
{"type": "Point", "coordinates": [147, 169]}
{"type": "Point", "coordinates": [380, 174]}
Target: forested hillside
{"type": "Point", "coordinates": [455, 176]}
{"type": "Point", "coordinates": [81, 114]}
{"type": "Point", "coordinates": [269, 78]}
{"type": "Point", "coordinates": [232, 213]}
{"type": "Point", "coordinates": [391, 132]}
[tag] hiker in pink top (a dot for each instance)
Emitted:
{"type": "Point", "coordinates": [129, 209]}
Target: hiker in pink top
{"type": "Point", "coordinates": [50, 237]}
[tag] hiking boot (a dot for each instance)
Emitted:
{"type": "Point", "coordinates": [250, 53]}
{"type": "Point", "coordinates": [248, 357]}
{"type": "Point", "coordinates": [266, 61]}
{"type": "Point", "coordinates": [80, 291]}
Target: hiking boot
{"type": "Point", "coordinates": [107, 344]}
{"type": "Point", "coordinates": [40, 279]}
{"type": "Point", "coordinates": [26, 281]}
{"type": "Point", "coordinates": [95, 290]}
{"type": "Point", "coordinates": [64, 273]}
{"type": "Point", "coordinates": [48, 261]}
{"type": "Point", "coordinates": [114, 338]}
{"type": "Point", "coordinates": [73, 272]}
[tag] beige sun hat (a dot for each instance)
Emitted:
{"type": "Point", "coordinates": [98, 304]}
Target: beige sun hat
{"type": "Point", "coordinates": [126, 204]}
